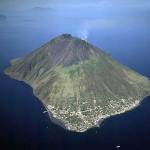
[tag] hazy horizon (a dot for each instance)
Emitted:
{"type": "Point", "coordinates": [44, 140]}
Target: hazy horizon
{"type": "Point", "coordinates": [113, 25]}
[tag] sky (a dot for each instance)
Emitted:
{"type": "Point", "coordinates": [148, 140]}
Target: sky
{"type": "Point", "coordinates": [25, 4]}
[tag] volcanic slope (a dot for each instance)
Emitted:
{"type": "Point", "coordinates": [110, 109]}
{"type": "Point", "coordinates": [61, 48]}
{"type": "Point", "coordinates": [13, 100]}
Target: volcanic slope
{"type": "Point", "coordinates": [79, 83]}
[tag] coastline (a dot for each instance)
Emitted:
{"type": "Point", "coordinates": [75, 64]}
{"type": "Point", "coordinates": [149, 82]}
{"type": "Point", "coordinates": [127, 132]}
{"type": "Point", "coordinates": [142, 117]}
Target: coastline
{"type": "Point", "coordinates": [98, 122]}
{"type": "Point", "coordinates": [122, 112]}
{"type": "Point", "coordinates": [53, 119]}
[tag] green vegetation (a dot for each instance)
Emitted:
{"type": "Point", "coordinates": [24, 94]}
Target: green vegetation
{"type": "Point", "coordinates": [79, 83]}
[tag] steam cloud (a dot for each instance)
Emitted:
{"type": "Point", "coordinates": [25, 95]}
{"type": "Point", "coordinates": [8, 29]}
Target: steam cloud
{"type": "Point", "coordinates": [88, 25]}
{"type": "Point", "coordinates": [84, 34]}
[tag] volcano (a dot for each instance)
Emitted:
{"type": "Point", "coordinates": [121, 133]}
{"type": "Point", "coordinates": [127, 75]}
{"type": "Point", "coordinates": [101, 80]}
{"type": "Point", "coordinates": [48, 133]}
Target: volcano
{"type": "Point", "coordinates": [79, 83]}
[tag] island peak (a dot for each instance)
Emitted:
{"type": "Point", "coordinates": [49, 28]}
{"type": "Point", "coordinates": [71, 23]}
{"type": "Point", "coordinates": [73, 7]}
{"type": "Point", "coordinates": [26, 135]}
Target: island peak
{"type": "Point", "coordinates": [78, 83]}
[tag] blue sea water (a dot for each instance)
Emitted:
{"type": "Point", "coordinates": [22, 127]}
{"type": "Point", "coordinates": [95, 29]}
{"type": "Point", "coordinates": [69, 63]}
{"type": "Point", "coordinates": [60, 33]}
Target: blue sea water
{"type": "Point", "coordinates": [23, 125]}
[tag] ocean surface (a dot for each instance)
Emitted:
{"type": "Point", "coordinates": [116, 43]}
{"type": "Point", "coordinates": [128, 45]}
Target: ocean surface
{"type": "Point", "coordinates": [23, 125]}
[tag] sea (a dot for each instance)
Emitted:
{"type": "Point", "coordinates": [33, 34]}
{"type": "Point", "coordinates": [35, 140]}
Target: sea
{"type": "Point", "coordinates": [23, 123]}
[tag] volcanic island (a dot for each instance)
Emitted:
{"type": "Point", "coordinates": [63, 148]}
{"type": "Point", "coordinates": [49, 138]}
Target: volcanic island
{"type": "Point", "coordinates": [79, 83]}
